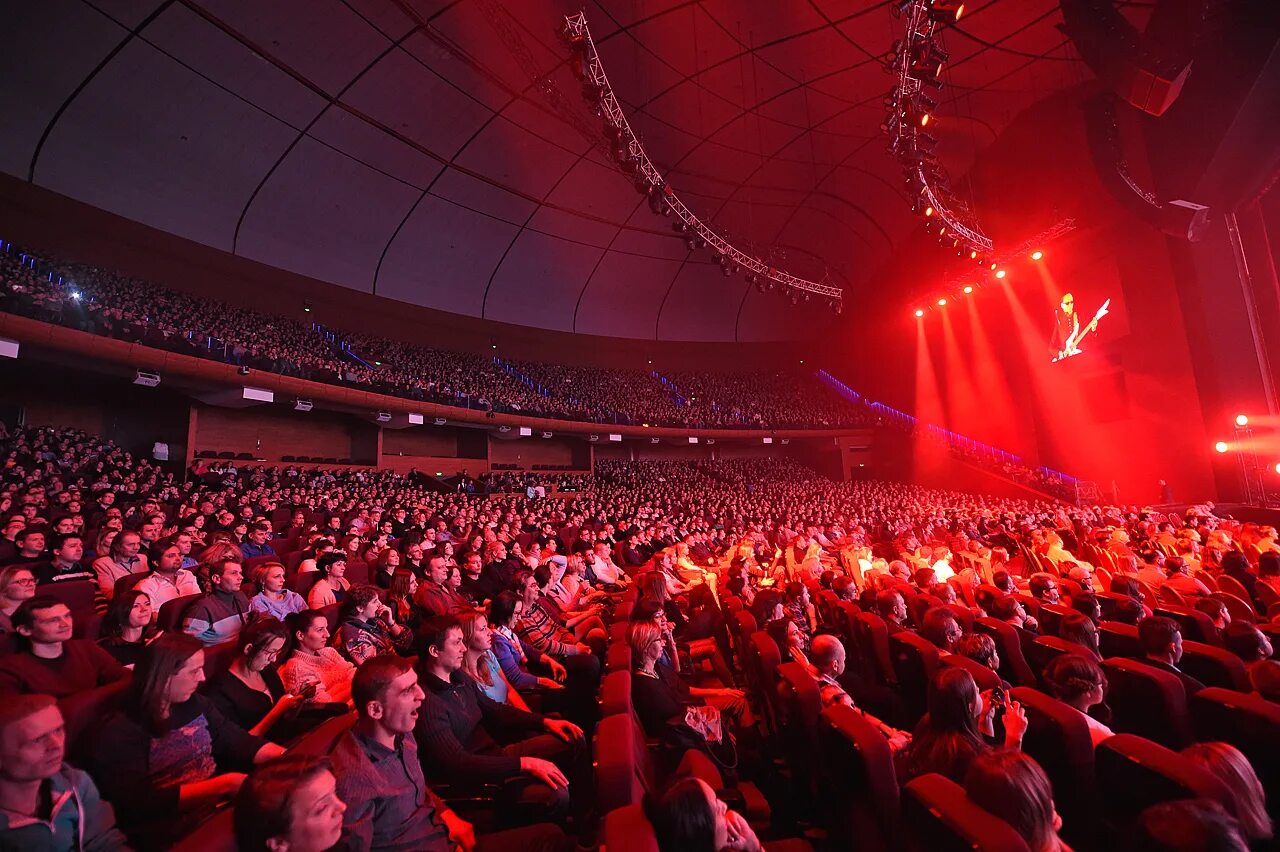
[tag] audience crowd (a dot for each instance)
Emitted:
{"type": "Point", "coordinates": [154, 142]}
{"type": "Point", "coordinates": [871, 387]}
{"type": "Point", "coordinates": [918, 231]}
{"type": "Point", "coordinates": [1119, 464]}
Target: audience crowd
{"type": "Point", "coordinates": [331, 659]}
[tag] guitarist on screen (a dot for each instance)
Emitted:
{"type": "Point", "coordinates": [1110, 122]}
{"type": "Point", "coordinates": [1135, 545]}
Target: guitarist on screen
{"type": "Point", "coordinates": [1067, 332]}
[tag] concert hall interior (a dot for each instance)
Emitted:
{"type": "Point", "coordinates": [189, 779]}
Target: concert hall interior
{"type": "Point", "coordinates": [640, 425]}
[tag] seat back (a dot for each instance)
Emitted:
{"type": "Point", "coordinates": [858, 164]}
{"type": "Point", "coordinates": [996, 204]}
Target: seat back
{"type": "Point", "coordinates": [915, 659]}
{"type": "Point", "coordinates": [1046, 649]}
{"type": "Point", "coordinates": [83, 712]}
{"type": "Point", "coordinates": [1214, 666]}
{"type": "Point", "coordinates": [78, 595]}
{"type": "Point", "coordinates": [1241, 608]}
{"type": "Point", "coordinates": [215, 834]}
{"type": "Point", "coordinates": [622, 762]}
{"type": "Point", "coordinates": [627, 830]}
{"type": "Point", "coordinates": [615, 694]}
{"type": "Point", "coordinates": [1247, 721]}
{"type": "Point", "coordinates": [873, 639]}
{"type": "Point", "coordinates": [764, 658]}
{"type": "Point", "coordinates": [1013, 665]}
{"type": "Point", "coordinates": [1134, 773]}
{"type": "Point", "coordinates": [799, 707]}
{"type": "Point", "coordinates": [1232, 586]}
{"type": "Point", "coordinates": [984, 677]}
{"type": "Point", "coordinates": [170, 615]}
{"type": "Point", "coordinates": [618, 657]}
{"type": "Point", "coordinates": [1051, 616]}
{"type": "Point", "coordinates": [942, 819]}
{"type": "Point", "coordinates": [859, 786]}
{"type": "Point", "coordinates": [1058, 738]}
{"type": "Point", "coordinates": [1107, 601]}
{"type": "Point", "coordinates": [920, 604]}
{"type": "Point", "coordinates": [1196, 625]}
{"type": "Point", "coordinates": [321, 739]}
{"type": "Point", "coordinates": [302, 582]}
{"type": "Point", "coordinates": [1149, 702]}
{"type": "Point", "coordinates": [217, 658]}
{"type": "Point", "coordinates": [1118, 640]}
{"type": "Point", "coordinates": [127, 582]}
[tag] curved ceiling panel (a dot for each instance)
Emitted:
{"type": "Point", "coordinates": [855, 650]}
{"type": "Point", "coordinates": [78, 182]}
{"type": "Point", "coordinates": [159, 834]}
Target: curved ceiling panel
{"type": "Point", "coordinates": [325, 215]}
{"type": "Point", "coordinates": [441, 153]}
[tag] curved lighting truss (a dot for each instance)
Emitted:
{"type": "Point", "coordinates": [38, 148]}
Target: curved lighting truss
{"type": "Point", "coordinates": [630, 154]}
{"type": "Point", "coordinates": [917, 59]}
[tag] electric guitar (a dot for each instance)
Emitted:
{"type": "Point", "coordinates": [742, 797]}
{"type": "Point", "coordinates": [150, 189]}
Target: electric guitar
{"type": "Point", "coordinates": [1072, 346]}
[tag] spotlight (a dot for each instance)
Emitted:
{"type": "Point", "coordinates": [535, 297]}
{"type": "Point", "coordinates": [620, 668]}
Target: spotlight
{"type": "Point", "coordinates": [928, 211]}
{"type": "Point", "coordinates": [994, 265]}
{"type": "Point", "coordinates": [946, 11]}
{"type": "Point", "coordinates": [75, 295]}
{"type": "Point", "coordinates": [919, 312]}
{"type": "Point", "coordinates": [973, 255]}
{"type": "Point", "coordinates": [924, 120]}
{"type": "Point", "coordinates": [1000, 273]}
{"type": "Point", "coordinates": [1277, 467]}
{"type": "Point", "coordinates": [1221, 446]}
{"type": "Point", "coordinates": [1242, 420]}
{"type": "Point", "coordinates": [942, 303]}
{"type": "Point", "coordinates": [968, 289]}
{"type": "Point", "coordinates": [1036, 255]}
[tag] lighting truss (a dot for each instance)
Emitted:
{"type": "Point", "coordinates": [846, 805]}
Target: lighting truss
{"type": "Point", "coordinates": [917, 60]}
{"type": "Point", "coordinates": [630, 154]}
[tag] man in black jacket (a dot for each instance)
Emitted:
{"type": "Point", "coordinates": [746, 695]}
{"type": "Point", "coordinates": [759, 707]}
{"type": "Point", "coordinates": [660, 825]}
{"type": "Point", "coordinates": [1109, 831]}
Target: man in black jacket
{"type": "Point", "coordinates": [1161, 640]}
{"type": "Point", "coordinates": [468, 738]}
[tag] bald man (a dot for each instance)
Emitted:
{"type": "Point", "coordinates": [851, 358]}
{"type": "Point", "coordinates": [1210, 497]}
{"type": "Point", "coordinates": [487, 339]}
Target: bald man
{"type": "Point", "coordinates": [827, 655]}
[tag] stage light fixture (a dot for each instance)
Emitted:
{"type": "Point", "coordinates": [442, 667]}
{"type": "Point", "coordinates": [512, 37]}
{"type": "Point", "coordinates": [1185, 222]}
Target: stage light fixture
{"type": "Point", "coordinates": [928, 211]}
{"type": "Point", "coordinates": [968, 289]}
{"type": "Point", "coordinates": [973, 255]}
{"type": "Point", "coordinates": [1221, 446]}
{"type": "Point", "coordinates": [1000, 273]}
{"type": "Point", "coordinates": [1036, 255]}
{"type": "Point", "coordinates": [919, 312]}
{"type": "Point", "coordinates": [994, 265]}
{"type": "Point", "coordinates": [946, 11]}
{"type": "Point", "coordinates": [942, 303]}
{"type": "Point", "coordinates": [1277, 467]}
{"type": "Point", "coordinates": [1242, 420]}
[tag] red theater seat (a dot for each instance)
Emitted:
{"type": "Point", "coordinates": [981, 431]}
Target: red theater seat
{"type": "Point", "coordinates": [1051, 616]}
{"type": "Point", "coordinates": [858, 782]}
{"type": "Point", "coordinates": [1149, 702]}
{"type": "Point", "coordinates": [942, 819]}
{"type": "Point", "coordinates": [1134, 773]}
{"type": "Point", "coordinates": [83, 712]}
{"type": "Point", "coordinates": [983, 676]}
{"type": "Point", "coordinates": [1118, 640]}
{"type": "Point", "coordinates": [1013, 665]}
{"type": "Point", "coordinates": [615, 694]}
{"type": "Point", "coordinates": [1214, 666]}
{"type": "Point", "coordinates": [873, 640]}
{"type": "Point", "coordinates": [1046, 649]}
{"type": "Point", "coordinates": [625, 769]}
{"type": "Point", "coordinates": [1247, 721]}
{"type": "Point", "coordinates": [627, 830]}
{"type": "Point", "coordinates": [1058, 738]}
{"type": "Point", "coordinates": [915, 659]}
{"type": "Point", "coordinates": [1196, 625]}
{"type": "Point", "coordinates": [170, 615]}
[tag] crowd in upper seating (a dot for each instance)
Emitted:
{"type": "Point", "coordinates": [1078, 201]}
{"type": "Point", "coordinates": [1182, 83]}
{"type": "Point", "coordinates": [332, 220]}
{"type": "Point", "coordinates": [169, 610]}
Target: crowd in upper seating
{"type": "Point", "coordinates": [316, 659]}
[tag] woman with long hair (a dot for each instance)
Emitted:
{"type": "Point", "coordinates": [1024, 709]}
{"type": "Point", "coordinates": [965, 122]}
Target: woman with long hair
{"type": "Point", "coordinates": [366, 627]}
{"type": "Point", "coordinates": [384, 571]}
{"type": "Point", "coordinates": [1012, 786]}
{"type": "Point", "coordinates": [688, 817]}
{"type": "Point", "coordinates": [310, 659]}
{"type": "Point", "coordinates": [1248, 801]}
{"type": "Point", "coordinates": [481, 664]}
{"type": "Point", "coordinates": [404, 585]}
{"type": "Point", "coordinates": [168, 752]}
{"type": "Point", "coordinates": [514, 655]}
{"type": "Point", "coordinates": [127, 628]}
{"type": "Point", "coordinates": [1079, 629]}
{"type": "Point", "coordinates": [17, 584]}
{"type": "Point", "coordinates": [249, 692]}
{"type": "Point", "coordinates": [955, 729]}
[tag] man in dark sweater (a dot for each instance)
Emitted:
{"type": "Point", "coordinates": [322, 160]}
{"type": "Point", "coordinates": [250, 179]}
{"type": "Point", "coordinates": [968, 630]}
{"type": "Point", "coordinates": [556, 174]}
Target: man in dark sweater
{"type": "Point", "coordinates": [52, 662]}
{"type": "Point", "coordinates": [65, 564]}
{"type": "Point", "coordinates": [219, 615]}
{"type": "Point", "coordinates": [460, 730]}
{"type": "Point", "coordinates": [1161, 640]}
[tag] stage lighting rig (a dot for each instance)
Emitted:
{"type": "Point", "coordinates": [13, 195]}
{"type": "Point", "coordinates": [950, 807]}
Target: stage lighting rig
{"type": "Point", "coordinates": [917, 60]}
{"type": "Point", "coordinates": [628, 151]}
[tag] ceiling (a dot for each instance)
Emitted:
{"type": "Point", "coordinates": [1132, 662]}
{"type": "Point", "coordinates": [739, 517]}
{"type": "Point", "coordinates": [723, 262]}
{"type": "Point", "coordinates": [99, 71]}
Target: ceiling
{"type": "Point", "coordinates": [440, 153]}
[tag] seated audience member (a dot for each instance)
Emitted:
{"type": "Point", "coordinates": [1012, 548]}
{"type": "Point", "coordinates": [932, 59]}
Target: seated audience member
{"type": "Point", "coordinates": [1011, 611]}
{"type": "Point", "coordinates": [48, 660]}
{"type": "Point", "coordinates": [310, 659]}
{"type": "Point", "coordinates": [1248, 643]}
{"type": "Point", "coordinates": [30, 542]}
{"type": "Point", "coordinates": [1082, 575]}
{"type": "Point", "coordinates": [1012, 786]}
{"type": "Point", "coordinates": [379, 777]}
{"type": "Point", "coordinates": [1087, 605]}
{"type": "Point", "coordinates": [66, 551]}
{"type": "Point", "coordinates": [1161, 641]}
{"type": "Point", "coordinates": [498, 573]}
{"type": "Point", "coordinates": [122, 559]}
{"type": "Point", "coordinates": [768, 606]}
{"type": "Point", "coordinates": [537, 627]}
{"type": "Point", "coordinates": [1128, 611]}
{"type": "Point", "coordinates": [127, 628]}
{"type": "Point", "coordinates": [1217, 612]}
{"type": "Point", "coordinates": [1187, 825]}
{"type": "Point", "coordinates": [575, 697]}
{"type": "Point", "coordinates": [606, 572]}
{"type": "Point", "coordinates": [17, 584]}
{"type": "Point", "coordinates": [1236, 566]}
{"type": "Point", "coordinates": [688, 816]}
{"type": "Point", "coordinates": [924, 579]}
{"type": "Point", "coordinates": [1079, 629]}
{"type": "Point", "coordinates": [956, 728]}
{"type": "Point", "coordinates": [980, 648]}
{"type": "Point", "coordinates": [250, 693]}
{"type": "Point", "coordinates": [1151, 569]}
{"type": "Point", "coordinates": [790, 641]}
{"type": "Point", "coordinates": [433, 596]}
{"type": "Point", "coordinates": [289, 805]}
{"type": "Point", "coordinates": [1248, 802]}
{"type": "Point", "coordinates": [828, 659]}
{"type": "Point", "coordinates": [169, 756]}
{"type": "Point", "coordinates": [481, 664]}
{"type": "Point", "coordinates": [1080, 683]}
{"type": "Point", "coordinates": [893, 609]}
{"type": "Point", "coordinates": [941, 628]}
{"type": "Point", "coordinates": [273, 599]}
{"type": "Point", "coordinates": [466, 737]}
{"type": "Point", "coordinates": [221, 613]}
{"type": "Point", "coordinates": [1264, 677]}
{"type": "Point", "coordinates": [333, 584]}
{"type": "Point", "coordinates": [256, 543]}
{"type": "Point", "coordinates": [400, 597]}
{"type": "Point", "coordinates": [44, 803]}
{"type": "Point", "coordinates": [1178, 578]}
{"type": "Point", "coordinates": [385, 569]}
{"type": "Point", "coordinates": [366, 627]}
{"type": "Point", "coordinates": [168, 579]}
{"type": "Point", "coordinates": [1003, 581]}
{"type": "Point", "coordinates": [799, 610]}
{"type": "Point", "coordinates": [1044, 588]}
{"type": "Point", "coordinates": [585, 625]}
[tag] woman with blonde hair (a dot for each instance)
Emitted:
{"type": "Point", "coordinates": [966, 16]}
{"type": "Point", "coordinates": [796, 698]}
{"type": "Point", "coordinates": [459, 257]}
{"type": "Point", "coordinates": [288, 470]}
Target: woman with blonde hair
{"type": "Point", "coordinates": [1248, 801]}
{"type": "Point", "coordinates": [481, 664]}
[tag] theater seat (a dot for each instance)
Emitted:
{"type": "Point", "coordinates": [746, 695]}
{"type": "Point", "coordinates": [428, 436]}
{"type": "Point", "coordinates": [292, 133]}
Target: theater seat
{"type": "Point", "coordinates": [1134, 773]}
{"type": "Point", "coordinates": [78, 595]}
{"type": "Point", "coordinates": [1247, 721]}
{"type": "Point", "coordinates": [983, 676]}
{"type": "Point", "coordinates": [170, 615]}
{"type": "Point", "coordinates": [84, 712]}
{"type": "Point", "coordinates": [873, 640]}
{"type": "Point", "coordinates": [216, 834]}
{"type": "Point", "coordinates": [217, 658]}
{"type": "Point", "coordinates": [799, 708]}
{"type": "Point", "coordinates": [127, 582]}
{"type": "Point", "coordinates": [1013, 665]}
{"type": "Point", "coordinates": [963, 615]}
{"type": "Point", "coordinates": [1046, 649]}
{"type": "Point", "coordinates": [615, 694]}
{"type": "Point", "coordinates": [320, 740]}
{"type": "Point", "coordinates": [618, 658]}
{"type": "Point", "coordinates": [1149, 702]}
{"type": "Point", "coordinates": [1058, 738]}
{"type": "Point", "coordinates": [625, 769]}
{"type": "Point", "coordinates": [764, 658]}
{"type": "Point", "coordinates": [859, 786]}
{"type": "Point", "coordinates": [1214, 666]}
{"type": "Point", "coordinates": [1196, 625]}
{"type": "Point", "coordinates": [1051, 616]}
{"type": "Point", "coordinates": [915, 659]}
{"type": "Point", "coordinates": [937, 813]}
{"type": "Point", "coordinates": [627, 830]}
{"type": "Point", "coordinates": [1118, 640]}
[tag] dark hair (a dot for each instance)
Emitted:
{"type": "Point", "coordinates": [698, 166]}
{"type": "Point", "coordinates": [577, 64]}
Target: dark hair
{"type": "Point", "coordinates": [922, 577]}
{"type": "Point", "coordinates": [1211, 607]}
{"type": "Point", "coordinates": [1245, 640]}
{"type": "Point", "coordinates": [764, 604]}
{"type": "Point", "coordinates": [147, 698]}
{"type": "Point", "coordinates": [1127, 611]}
{"type": "Point", "coordinates": [356, 599]}
{"type": "Point", "coordinates": [934, 625]}
{"type": "Point", "coordinates": [258, 635]}
{"type": "Point", "coordinates": [1039, 583]}
{"type": "Point", "coordinates": [325, 561]}
{"type": "Point", "coordinates": [25, 614]}
{"type": "Point", "coordinates": [1011, 785]}
{"type": "Point", "coordinates": [1069, 676]}
{"type": "Point", "coordinates": [978, 647]}
{"type": "Point", "coordinates": [519, 580]}
{"type": "Point", "coordinates": [793, 590]}
{"type": "Point", "coordinates": [947, 737]}
{"type": "Point", "coordinates": [299, 622]}
{"type": "Point", "coordinates": [1126, 586]}
{"type": "Point", "coordinates": [681, 819]}
{"type": "Point", "coordinates": [262, 807]}
{"type": "Point", "coordinates": [645, 610]}
{"type": "Point", "coordinates": [1086, 603]}
{"type": "Point", "coordinates": [884, 601]}
{"type": "Point", "coordinates": [374, 676]}
{"type": "Point", "coordinates": [777, 630]}
{"type": "Point", "coordinates": [434, 632]}
{"type": "Point", "coordinates": [218, 567]}
{"type": "Point", "coordinates": [1003, 581]}
{"type": "Point", "coordinates": [542, 575]}
{"type": "Point", "coordinates": [1155, 633]}
{"type": "Point", "coordinates": [1269, 564]}
{"type": "Point", "coordinates": [502, 608]}
{"type": "Point", "coordinates": [1187, 825]}
{"type": "Point", "coordinates": [1003, 607]}
{"type": "Point", "coordinates": [61, 539]}
{"type": "Point", "coordinates": [118, 611]}
{"type": "Point", "coordinates": [1078, 628]}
